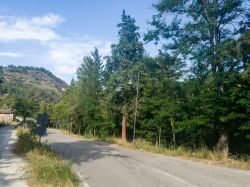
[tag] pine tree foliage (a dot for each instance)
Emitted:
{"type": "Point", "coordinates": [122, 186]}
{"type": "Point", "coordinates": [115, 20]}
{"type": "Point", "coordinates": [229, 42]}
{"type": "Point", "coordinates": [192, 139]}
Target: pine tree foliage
{"type": "Point", "coordinates": [194, 93]}
{"type": "Point", "coordinates": [207, 38]}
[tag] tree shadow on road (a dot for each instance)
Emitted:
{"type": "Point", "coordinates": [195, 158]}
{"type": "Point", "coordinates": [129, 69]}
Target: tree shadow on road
{"type": "Point", "coordinates": [81, 151]}
{"type": "Point", "coordinates": [7, 176]}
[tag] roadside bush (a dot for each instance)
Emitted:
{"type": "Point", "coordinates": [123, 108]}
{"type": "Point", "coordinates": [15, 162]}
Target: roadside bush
{"type": "Point", "coordinates": [26, 141]}
{"type": "Point", "coordinates": [44, 168]}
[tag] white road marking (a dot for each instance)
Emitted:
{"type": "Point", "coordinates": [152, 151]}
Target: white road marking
{"type": "Point", "coordinates": [174, 177]}
{"type": "Point", "coordinates": [85, 184]}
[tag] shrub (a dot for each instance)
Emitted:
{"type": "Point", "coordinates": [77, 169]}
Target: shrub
{"type": "Point", "coordinates": [44, 167]}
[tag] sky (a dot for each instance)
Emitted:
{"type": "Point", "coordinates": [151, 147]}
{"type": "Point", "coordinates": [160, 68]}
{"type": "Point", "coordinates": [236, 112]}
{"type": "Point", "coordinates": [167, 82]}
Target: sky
{"type": "Point", "coordinates": [57, 34]}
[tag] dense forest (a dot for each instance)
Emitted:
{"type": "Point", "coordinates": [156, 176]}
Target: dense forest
{"type": "Point", "coordinates": [195, 93]}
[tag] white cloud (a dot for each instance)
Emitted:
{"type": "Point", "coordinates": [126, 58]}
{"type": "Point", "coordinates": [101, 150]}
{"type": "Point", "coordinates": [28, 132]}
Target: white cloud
{"type": "Point", "coordinates": [67, 56]}
{"type": "Point", "coordinates": [50, 20]}
{"type": "Point", "coordinates": [36, 28]}
{"type": "Point", "coordinates": [10, 54]}
{"type": "Point", "coordinates": [62, 54]}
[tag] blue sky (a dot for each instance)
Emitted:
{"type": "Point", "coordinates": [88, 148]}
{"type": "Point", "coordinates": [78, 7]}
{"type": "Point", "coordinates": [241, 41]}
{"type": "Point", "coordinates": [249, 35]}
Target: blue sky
{"type": "Point", "coordinates": [56, 34]}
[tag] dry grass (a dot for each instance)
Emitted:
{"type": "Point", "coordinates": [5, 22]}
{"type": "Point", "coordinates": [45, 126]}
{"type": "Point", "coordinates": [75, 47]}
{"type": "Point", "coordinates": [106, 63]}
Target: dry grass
{"type": "Point", "coordinates": [44, 168]}
{"type": "Point", "coordinates": [203, 155]}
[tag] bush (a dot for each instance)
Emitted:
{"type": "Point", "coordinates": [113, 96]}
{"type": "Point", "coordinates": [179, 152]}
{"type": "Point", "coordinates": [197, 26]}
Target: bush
{"type": "Point", "coordinates": [26, 141]}
{"type": "Point", "coordinates": [44, 167]}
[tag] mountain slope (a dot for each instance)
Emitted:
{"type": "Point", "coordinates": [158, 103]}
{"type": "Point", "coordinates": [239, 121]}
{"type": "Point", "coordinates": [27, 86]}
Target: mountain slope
{"type": "Point", "coordinates": [23, 79]}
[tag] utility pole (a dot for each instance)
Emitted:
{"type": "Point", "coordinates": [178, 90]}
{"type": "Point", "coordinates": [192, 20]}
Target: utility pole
{"type": "Point", "coordinates": [136, 104]}
{"type": "Point", "coordinates": [70, 125]}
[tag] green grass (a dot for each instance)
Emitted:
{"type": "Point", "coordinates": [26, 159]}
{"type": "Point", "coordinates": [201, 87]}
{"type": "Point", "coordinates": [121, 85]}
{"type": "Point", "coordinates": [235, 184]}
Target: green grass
{"type": "Point", "coordinates": [44, 168]}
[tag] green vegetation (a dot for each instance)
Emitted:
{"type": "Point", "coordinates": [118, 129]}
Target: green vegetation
{"type": "Point", "coordinates": [1, 74]}
{"type": "Point", "coordinates": [1, 79]}
{"type": "Point", "coordinates": [193, 94]}
{"type": "Point", "coordinates": [202, 154]}
{"type": "Point", "coordinates": [44, 167]}
{"type": "Point", "coordinates": [26, 89]}
{"type": "Point", "coordinates": [217, 66]}
{"type": "Point", "coordinates": [22, 80]}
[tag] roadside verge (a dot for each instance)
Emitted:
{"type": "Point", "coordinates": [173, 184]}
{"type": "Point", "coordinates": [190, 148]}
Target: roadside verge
{"type": "Point", "coordinates": [44, 167]}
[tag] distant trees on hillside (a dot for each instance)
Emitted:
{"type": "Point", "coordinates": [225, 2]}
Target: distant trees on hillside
{"type": "Point", "coordinates": [25, 88]}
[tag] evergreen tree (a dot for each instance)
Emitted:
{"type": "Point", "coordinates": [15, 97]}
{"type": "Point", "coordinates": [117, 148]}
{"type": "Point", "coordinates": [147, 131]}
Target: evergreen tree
{"type": "Point", "coordinates": [161, 96]}
{"type": "Point", "coordinates": [125, 55]}
{"type": "Point", "coordinates": [90, 78]}
{"type": "Point", "coordinates": [1, 74]}
{"type": "Point", "coordinates": [206, 38]}
{"type": "Point", "coordinates": [1, 79]}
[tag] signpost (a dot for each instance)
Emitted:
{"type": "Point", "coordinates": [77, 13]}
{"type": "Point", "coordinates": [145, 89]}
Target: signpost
{"type": "Point", "coordinates": [42, 123]}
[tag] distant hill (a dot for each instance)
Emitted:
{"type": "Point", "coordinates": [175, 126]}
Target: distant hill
{"type": "Point", "coordinates": [41, 82]}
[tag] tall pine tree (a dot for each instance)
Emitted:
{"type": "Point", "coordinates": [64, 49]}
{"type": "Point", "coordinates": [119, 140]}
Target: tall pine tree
{"type": "Point", "coordinates": [125, 55]}
{"type": "Point", "coordinates": [90, 78]}
{"type": "Point", "coordinates": [204, 31]}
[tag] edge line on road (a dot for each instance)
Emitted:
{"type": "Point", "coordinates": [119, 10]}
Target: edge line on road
{"type": "Point", "coordinates": [174, 177]}
{"type": "Point", "coordinates": [85, 184]}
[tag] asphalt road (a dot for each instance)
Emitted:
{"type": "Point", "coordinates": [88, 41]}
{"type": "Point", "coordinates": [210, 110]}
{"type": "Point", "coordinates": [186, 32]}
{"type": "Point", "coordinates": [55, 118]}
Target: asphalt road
{"type": "Point", "coordinates": [5, 135]}
{"type": "Point", "coordinates": [11, 166]}
{"type": "Point", "coordinates": [105, 165]}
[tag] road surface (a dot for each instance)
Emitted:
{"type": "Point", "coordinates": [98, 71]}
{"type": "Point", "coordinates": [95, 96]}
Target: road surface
{"type": "Point", "coordinates": [11, 166]}
{"type": "Point", "coordinates": [105, 165]}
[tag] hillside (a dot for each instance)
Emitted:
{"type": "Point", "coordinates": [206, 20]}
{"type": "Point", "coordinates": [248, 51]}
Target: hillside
{"type": "Point", "coordinates": [40, 82]}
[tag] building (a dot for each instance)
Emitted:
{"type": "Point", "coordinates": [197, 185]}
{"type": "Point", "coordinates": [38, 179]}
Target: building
{"type": "Point", "coordinates": [7, 116]}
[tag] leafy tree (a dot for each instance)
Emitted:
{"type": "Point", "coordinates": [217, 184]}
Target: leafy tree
{"type": "Point", "coordinates": [244, 43]}
{"type": "Point", "coordinates": [25, 107]}
{"type": "Point", "coordinates": [192, 104]}
{"type": "Point", "coordinates": [206, 37]}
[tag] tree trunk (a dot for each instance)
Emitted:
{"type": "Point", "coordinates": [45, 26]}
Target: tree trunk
{"type": "Point", "coordinates": [79, 129]}
{"type": "Point", "coordinates": [124, 121]}
{"type": "Point", "coordinates": [159, 136]}
{"type": "Point", "coordinates": [24, 121]}
{"type": "Point", "coordinates": [173, 130]}
{"type": "Point", "coordinates": [223, 141]}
